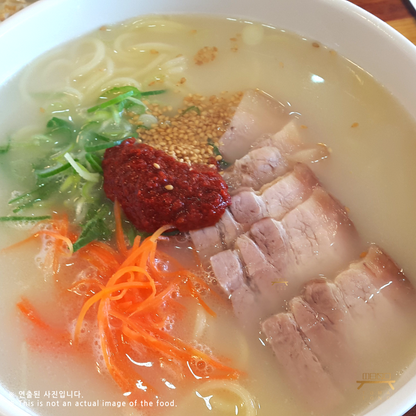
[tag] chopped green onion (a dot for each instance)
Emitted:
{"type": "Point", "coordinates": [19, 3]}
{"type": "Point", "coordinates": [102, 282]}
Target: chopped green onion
{"type": "Point", "coordinates": [71, 180]}
{"type": "Point", "coordinates": [116, 114]}
{"type": "Point", "coordinates": [20, 197]}
{"type": "Point", "coordinates": [31, 198]}
{"type": "Point", "coordinates": [61, 152]}
{"type": "Point", "coordinates": [148, 120]}
{"type": "Point", "coordinates": [89, 192]}
{"type": "Point", "coordinates": [113, 101]}
{"type": "Point", "coordinates": [57, 123]}
{"type": "Point", "coordinates": [137, 101]}
{"type": "Point", "coordinates": [6, 148]}
{"type": "Point", "coordinates": [41, 192]}
{"type": "Point", "coordinates": [135, 105]}
{"type": "Point", "coordinates": [192, 108]}
{"type": "Point", "coordinates": [156, 92]}
{"type": "Point", "coordinates": [223, 164]}
{"type": "Point", "coordinates": [51, 171]}
{"type": "Point", "coordinates": [122, 90]}
{"type": "Point", "coordinates": [94, 229]}
{"type": "Point", "coordinates": [98, 147]}
{"type": "Point", "coordinates": [81, 170]}
{"type": "Point", "coordinates": [93, 136]}
{"type": "Point", "coordinates": [20, 218]}
{"type": "Point", "coordinates": [94, 161]}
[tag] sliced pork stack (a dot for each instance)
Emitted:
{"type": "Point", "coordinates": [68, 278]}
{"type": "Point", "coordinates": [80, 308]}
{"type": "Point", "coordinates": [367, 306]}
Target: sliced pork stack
{"type": "Point", "coordinates": [281, 224]}
{"type": "Point", "coordinates": [276, 250]}
{"type": "Point", "coordinates": [273, 200]}
{"type": "Point", "coordinates": [335, 324]}
{"type": "Point", "coordinates": [314, 239]}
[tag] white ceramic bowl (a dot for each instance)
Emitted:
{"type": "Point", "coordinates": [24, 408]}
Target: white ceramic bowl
{"type": "Point", "coordinates": [340, 25]}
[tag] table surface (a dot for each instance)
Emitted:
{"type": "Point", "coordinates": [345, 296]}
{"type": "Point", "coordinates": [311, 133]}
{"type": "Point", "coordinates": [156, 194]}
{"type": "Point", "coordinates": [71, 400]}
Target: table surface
{"type": "Point", "coordinates": [400, 15]}
{"type": "Point", "coordinates": [397, 13]}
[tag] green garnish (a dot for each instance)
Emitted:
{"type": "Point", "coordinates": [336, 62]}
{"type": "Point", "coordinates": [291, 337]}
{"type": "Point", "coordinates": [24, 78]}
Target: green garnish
{"type": "Point", "coordinates": [81, 169]}
{"type": "Point", "coordinates": [103, 146]}
{"type": "Point", "coordinates": [94, 229]}
{"type": "Point", "coordinates": [155, 92]}
{"type": "Point", "coordinates": [69, 169]}
{"type": "Point", "coordinates": [5, 148]}
{"type": "Point", "coordinates": [94, 161]}
{"type": "Point", "coordinates": [113, 101]}
{"type": "Point", "coordinates": [54, 170]}
{"type": "Point", "coordinates": [122, 90]}
{"type": "Point", "coordinates": [37, 195]}
{"type": "Point", "coordinates": [192, 108]}
{"type": "Point", "coordinates": [26, 219]}
{"type": "Point", "coordinates": [57, 123]}
{"type": "Point", "coordinates": [222, 163]}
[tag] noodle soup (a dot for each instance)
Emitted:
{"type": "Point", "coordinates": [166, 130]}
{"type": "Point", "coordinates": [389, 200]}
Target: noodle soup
{"type": "Point", "coordinates": [333, 100]}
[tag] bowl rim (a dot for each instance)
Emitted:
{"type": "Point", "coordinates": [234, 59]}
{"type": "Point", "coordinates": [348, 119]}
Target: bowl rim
{"type": "Point", "coordinates": [393, 46]}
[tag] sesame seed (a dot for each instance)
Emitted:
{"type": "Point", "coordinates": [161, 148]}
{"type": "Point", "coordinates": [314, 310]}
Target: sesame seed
{"type": "Point", "coordinates": [156, 165]}
{"type": "Point", "coordinates": [169, 187]}
{"type": "Point", "coordinates": [185, 135]}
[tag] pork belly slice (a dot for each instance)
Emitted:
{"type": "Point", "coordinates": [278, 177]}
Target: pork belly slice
{"type": "Point", "coordinates": [288, 141]}
{"type": "Point", "coordinates": [228, 270]}
{"type": "Point", "coordinates": [230, 275]}
{"type": "Point", "coordinates": [342, 321]}
{"type": "Point", "coordinates": [211, 240]}
{"type": "Point", "coordinates": [301, 365]}
{"type": "Point", "coordinates": [327, 335]}
{"type": "Point", "coordinates": [327, 300]}
{"type": "Point", "coordinates": [258, 167]}
{"type": "Point", "coordinates": [271, 157]}
{"type": "Point", "coordinates": [377, 295]}
{"type": "Point", "coordinates": [207, 241]}
{"type": "Point", "coordinates": [387, 278]}
{"type": "Point", "coordinates": [314, 239]}
{"type": "Point", "coordinates": [229, 228]}
{"type": "Point", "coordinates": [266, 160]}
{"type": "Point", "coordinates": [257, 114]}
{"type": "Point", "coordinates": [276, 199]}
{"type": "Point", "coordinates": [317, 236]}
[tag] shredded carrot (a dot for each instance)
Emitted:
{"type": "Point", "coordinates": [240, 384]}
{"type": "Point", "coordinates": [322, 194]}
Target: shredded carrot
{"type": "Point", "coordinates": [27, 309]}
{"type": "Point", "coordinates": [105, 292]}
{"type": "Point", "coordinates": [198, 297]}
{"type": "Point", "coordinates": [142, 297]}
{"type": "Point", "coordinates": [60, 230]}
{"type": "Point", "coordinates": [20, 243]}
{"type": "Point", "coordinates": [45, 333]}
{"type": "Point", "coordinates": [134, 301]}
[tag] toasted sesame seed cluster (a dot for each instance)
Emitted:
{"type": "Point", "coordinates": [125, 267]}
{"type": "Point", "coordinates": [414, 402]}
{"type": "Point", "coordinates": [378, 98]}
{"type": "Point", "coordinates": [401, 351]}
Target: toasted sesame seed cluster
{"type": "Point", "coordinates": [205, 55]}
{"type": "Point", "coordinates": [186, 135]}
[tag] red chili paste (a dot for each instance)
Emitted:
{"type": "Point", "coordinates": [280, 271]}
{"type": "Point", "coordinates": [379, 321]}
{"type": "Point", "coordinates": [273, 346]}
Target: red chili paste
{"type": "Point", "coordinates": [154, 189]}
